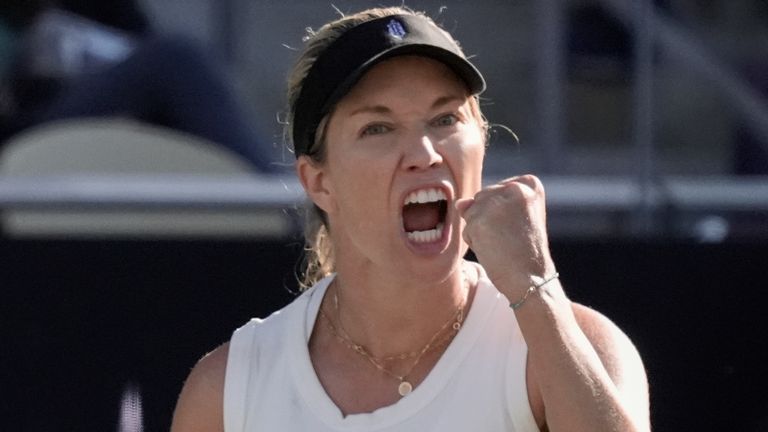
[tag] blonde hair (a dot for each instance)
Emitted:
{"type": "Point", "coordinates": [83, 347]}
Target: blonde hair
{"type": "Point", "coordinates": [319, 261]}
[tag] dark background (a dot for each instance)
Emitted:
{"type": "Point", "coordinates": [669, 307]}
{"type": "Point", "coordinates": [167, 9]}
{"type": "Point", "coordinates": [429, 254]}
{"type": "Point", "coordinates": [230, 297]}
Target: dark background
{"type": "Point", "coordinates": [82, 320]}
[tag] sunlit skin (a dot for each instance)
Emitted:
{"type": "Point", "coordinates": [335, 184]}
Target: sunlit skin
{"type": "Point", "coordinates": [406, 125]}
{"type": "Point", "coordinates": [409, 123]}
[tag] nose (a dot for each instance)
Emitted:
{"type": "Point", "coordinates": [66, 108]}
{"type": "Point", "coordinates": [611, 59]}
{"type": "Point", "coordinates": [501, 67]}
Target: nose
{"type": "Point", "coordinates": [421, 153]}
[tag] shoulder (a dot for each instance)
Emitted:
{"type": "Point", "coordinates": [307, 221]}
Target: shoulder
{"type": "Point", "coordinates": [612, 345]}
{"type": "Point", "coordinates": [200, 406]}
{"type": "Point", "coordinates": [201, 403]}
{"type": "Point", "coordinates": [618, 354]}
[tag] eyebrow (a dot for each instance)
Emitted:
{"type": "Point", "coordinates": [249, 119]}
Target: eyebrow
{"type": "Point", "coordinates": [382, 109]}
{"type": "Point", "coordinates": [375, 109]}
{"type": "Point", "coordinates": [444, 100]}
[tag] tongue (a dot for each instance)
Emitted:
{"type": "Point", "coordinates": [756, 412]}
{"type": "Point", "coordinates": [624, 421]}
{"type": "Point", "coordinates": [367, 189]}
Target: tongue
{"type": "Point", "coordinates": [421, 217]}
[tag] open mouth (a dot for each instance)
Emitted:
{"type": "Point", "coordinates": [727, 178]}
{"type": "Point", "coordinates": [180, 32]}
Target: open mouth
{"type": "Point", "coordinates": [424, 213]}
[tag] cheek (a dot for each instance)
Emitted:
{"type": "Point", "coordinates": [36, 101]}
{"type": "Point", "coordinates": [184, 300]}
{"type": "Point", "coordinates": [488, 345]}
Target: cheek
{"type": "Point", "coordinates": [358, 188]}
{"type": "Point", "coordinates": [473, 155]}
{"type": "Point", "coordinates": [475, 152]}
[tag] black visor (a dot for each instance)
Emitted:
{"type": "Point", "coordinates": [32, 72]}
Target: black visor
{"type": "Point", "coordinates": [349, 57]}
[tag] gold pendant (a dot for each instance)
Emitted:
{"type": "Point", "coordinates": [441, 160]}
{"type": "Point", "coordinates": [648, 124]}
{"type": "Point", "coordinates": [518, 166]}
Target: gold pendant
{"type": "Point", "coordinates": [404, 388]}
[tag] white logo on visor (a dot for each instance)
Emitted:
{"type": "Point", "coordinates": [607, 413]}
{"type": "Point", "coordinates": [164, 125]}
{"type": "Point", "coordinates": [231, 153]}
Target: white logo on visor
{"type": "Point", "coordinates": [396, 29]}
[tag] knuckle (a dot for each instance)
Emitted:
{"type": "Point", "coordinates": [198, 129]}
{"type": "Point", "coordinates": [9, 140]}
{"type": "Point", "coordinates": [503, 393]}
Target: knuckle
{"type": "Point", "coordinates": [516, 192]}
{"type": "Point", "coordinates": [482, 197]}
{"type": "Point", "coordinates": [532, 181]}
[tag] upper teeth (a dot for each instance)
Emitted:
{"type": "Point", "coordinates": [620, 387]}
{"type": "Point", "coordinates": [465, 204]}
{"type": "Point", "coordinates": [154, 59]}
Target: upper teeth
{"type": "Point", "coordinates": [425, 196]}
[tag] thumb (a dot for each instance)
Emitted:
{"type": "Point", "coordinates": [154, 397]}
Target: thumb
{"type": "Point", "coordinates": [463, 204]}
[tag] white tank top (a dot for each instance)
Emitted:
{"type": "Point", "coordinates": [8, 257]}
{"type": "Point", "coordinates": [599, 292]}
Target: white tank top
{"type": "Point", "coordinates": [477, 385]}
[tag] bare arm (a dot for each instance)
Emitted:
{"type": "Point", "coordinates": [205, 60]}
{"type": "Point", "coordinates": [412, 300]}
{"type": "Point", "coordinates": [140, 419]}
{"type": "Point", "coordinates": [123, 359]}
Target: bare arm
{"type": "Point", "coordinates": [590, 378]}
{"type": "Point", "coordinates": [585, 375]}
{"type": "Point", "coordinates": [200, 407]}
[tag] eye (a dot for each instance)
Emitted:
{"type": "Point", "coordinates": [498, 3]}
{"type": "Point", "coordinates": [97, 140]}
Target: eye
{"type": "Point", "coordinates": [375, 129]}
{"type": "Point", "coordinates": [446, 120]}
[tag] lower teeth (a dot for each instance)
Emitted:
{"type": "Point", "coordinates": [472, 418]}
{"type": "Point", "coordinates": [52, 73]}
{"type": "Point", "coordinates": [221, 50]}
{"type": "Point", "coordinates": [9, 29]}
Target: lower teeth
{"type": "Point", "coordinates": [426, 236]}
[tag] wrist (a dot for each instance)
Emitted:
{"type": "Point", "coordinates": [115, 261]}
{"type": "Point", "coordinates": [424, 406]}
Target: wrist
{"type": "Point", "coordinates": [537, 284]}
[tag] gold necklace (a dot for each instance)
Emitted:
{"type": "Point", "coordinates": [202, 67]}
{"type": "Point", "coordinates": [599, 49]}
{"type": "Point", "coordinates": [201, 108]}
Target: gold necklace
{"type": "Point", "coordinates": [404, 387]}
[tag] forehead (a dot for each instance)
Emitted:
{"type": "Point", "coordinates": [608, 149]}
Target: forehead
{"type": "Point", "coordinates": [410, 77]}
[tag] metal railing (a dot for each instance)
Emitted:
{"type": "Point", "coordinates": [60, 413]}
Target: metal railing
{"type": "Point", "coordinates": [577, 206]}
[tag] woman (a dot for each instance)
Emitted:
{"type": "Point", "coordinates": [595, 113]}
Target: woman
{"type": "Point", "coordinates": [398, 332]}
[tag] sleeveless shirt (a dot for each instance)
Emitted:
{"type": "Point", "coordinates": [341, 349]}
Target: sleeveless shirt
{"type": "Point", "coordinates": [478, 384]}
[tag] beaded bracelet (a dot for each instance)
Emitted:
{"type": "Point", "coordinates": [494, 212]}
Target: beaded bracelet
{"type": "Point", "coordinates": [531, 289]}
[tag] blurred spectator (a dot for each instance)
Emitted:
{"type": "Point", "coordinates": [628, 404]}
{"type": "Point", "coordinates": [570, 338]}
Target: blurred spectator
{"type": "Point", "coordinates": [88, 58]}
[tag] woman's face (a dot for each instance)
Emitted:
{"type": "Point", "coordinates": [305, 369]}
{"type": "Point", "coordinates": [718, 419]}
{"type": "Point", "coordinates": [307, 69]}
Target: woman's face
{"type": "Point", "coordinates": [402, 146]}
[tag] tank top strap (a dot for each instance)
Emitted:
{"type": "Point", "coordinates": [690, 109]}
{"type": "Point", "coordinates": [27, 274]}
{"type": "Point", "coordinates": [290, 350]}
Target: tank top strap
{"type": "Point", "coordinates": [237, 376]}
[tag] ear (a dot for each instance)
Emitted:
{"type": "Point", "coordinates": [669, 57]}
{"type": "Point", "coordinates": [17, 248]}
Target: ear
{"type": "Point", "coordinates": [313, 178]}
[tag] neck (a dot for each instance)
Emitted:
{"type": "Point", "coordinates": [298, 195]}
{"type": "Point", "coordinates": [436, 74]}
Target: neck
{"type": "Point", "coordinates": [394, 314]}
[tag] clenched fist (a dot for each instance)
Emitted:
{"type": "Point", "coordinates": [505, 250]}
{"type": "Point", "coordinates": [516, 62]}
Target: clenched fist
{"type": "Point", "coordinates": [506, 229]}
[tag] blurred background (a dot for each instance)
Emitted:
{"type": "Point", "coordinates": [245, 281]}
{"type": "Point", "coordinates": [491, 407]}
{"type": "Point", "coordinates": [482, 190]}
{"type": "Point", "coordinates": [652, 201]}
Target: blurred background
{"type": "Point", "coordinates": [147, 206]}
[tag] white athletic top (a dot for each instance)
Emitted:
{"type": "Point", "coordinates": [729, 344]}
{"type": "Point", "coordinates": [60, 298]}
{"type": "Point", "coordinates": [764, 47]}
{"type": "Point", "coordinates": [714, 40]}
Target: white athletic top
{"type": "Point", "coordinates": [477, 385]}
